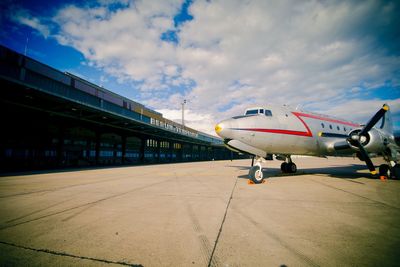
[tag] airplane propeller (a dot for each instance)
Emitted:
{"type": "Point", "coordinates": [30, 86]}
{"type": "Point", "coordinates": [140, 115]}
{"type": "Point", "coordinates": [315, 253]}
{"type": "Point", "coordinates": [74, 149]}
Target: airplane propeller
{"type": "Point", "coordinates": [358, 138]}
{"type": "Point", "coordinates": [374, 120]}
{"type": "Point", "coordinates": [365, 157]}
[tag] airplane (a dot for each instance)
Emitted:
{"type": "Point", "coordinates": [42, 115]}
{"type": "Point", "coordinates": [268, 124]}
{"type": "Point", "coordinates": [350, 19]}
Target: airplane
{"type": "Point", "coordinates": [284, 131]}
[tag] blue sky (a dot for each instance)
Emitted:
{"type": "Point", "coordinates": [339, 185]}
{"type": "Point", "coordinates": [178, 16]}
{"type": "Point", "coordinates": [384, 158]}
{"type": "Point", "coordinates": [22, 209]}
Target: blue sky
{"type": "Point", "coordinates": [334, 57]}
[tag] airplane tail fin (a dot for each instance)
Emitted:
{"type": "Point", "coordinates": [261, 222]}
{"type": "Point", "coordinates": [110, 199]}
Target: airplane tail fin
{"type": "Point", "coordinates": [386, 123]}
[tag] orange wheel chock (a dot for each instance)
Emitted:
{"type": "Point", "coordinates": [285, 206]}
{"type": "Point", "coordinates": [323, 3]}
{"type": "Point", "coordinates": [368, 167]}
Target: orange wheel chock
{"type": "Point", "coordinates": [382, 177]}
{"type": "Point", "coordinates": [250, 182]}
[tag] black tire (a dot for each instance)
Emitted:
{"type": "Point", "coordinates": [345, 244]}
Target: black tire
{"type": "Point", "coordinates": [256, 174]}
{"type": "Point", "coordinates": [384, 170]}
{"type": "Point", "coordinates": [291, 167]}
{"type": "Point", "coordinates": [284, 167]}
{"type": "Point", "coordinates": [396, 171]}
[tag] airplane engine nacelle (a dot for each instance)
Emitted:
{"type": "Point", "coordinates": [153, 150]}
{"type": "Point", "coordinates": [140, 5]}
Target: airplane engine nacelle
{"type": "Point", "coordinates": [372, 142]}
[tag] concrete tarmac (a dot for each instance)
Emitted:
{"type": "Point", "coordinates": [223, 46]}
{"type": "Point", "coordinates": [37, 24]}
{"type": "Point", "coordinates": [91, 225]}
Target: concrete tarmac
{"type": "Point", "coordinates": [201, 214]}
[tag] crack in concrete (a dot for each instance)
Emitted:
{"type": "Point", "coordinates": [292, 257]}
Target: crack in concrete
{"type": "Point", "coordinates": [64, 254]}
{"type": "Point", "coordinates": [211, 262]}
{"type": "Point", "coordinates": [83, 205]}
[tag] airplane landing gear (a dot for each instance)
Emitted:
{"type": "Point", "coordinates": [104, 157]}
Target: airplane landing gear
{"type": "Point", "coordinates": [396, 171]}
{"type": "Point", "coordinates": [255, 174]}
{"type": "Point", "coordinates": [386, 171]}
{"type": "Point", "coordinates": [288, 167]}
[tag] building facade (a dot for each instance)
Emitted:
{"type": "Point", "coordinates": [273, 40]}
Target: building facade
{"type": "Point", "coordinates": [53, 119]}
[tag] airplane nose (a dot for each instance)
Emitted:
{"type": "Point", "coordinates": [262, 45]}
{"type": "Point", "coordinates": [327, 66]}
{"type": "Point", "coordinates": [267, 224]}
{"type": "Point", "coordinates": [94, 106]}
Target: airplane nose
{"type": "Point", "coordinates": [222, 129]}
{"type": "Point", "coordinates": [218, 128]}
{"type": "Point", "coordinates": [227, 129]}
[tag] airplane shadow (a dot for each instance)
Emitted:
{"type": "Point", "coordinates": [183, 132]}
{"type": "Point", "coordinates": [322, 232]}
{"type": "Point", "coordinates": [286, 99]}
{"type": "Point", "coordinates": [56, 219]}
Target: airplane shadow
{"type": "Point", "coordinates": [343, 172]}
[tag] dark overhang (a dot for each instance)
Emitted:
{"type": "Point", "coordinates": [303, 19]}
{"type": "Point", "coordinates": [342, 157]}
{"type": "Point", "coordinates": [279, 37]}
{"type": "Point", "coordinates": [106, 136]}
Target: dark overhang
{"type": "Point", "coordinates": [40, 87]}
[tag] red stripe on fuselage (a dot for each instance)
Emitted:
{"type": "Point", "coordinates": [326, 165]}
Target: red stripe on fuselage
{"type": "Point", "coordinates": [324, 119]}
{"type": "Point", "coordinates": [277, 131]}
{"type": "Point", "coordinates": [308, 133]}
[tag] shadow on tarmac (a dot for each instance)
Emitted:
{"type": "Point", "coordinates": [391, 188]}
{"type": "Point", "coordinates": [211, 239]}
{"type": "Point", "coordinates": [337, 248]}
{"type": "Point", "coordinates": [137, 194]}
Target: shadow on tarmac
{"type": "Point", "coordinates": [60, 170]}
{"type": "Point", "coordinates": [84, 168]}
{"type": "Point", "coordinates": [343, 172]}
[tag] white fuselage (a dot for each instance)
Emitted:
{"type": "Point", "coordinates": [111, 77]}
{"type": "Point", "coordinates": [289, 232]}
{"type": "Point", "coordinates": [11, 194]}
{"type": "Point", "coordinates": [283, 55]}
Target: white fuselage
{"type": "Point", "coordinates": [287, 131]}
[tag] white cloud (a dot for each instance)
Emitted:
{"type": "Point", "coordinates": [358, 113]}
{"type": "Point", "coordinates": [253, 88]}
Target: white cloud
{"type": "Point", "coordinates": [24, 17]}
{"type": "Point", "coordinates": [124, 42]}
{"type": "Point", "coordinates": [357, 110]}
{"type": "Point", "coordinates": [200, 121]}
{"type": "Point", "coordinates": [234, 54]}
{"type": "Point", "coordinates": [286, 52]}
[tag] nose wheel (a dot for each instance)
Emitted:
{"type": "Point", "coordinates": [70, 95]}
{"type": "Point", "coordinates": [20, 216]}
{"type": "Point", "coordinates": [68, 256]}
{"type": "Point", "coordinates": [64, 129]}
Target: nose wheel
{"type": "Point", "coordinates": [256, 175]}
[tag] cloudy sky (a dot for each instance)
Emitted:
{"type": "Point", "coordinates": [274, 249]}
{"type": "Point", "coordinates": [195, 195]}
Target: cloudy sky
{"type": "Point", "coordinates": [336, 57]}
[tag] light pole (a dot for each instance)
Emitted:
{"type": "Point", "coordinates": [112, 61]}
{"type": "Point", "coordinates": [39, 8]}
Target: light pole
{"type": "Point", "coordinates": [26, 46]}
{"type": "Point", "coordinates": [183, 112]}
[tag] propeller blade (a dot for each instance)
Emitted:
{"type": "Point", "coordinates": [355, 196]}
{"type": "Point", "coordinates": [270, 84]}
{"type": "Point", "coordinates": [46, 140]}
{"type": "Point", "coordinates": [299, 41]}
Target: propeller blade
{"type": "Point", "coordinates": [366, 158]}
{"type": "Point", "coordinates": [374, 120]}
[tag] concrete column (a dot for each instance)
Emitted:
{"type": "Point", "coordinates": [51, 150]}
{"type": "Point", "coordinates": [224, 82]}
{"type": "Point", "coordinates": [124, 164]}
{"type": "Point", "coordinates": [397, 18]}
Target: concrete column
{"type": "Point", "coordinates": [97, 147]}
{"type": "Point", "coordinates": [115, 150]}
{"type": "Point", "coordinates": [158, 150]}
{"type": "Point", "coordinates": [142, 149]}
{"type": "Point", "coordinates": [88, 148]}
{"type": "Point", "coordinates": [171, 150]}
{"type": "Point", "coordinates": [180, 154]}
{"type": "Point", "coordinates": [60, 145]}
{"type": "Point", "coordinates": [123, 137]}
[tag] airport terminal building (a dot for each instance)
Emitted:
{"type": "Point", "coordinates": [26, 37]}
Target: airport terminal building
{"type": "Point", "coordinates": [52, 119]}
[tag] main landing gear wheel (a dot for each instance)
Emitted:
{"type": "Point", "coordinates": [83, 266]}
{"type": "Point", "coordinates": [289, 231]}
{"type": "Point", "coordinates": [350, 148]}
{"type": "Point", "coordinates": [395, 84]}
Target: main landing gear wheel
{"type": "Point", "coordinates": [396, 171]}
{"type": "Point", "coordinates": [256, 174]}
{"type": "Point", "coordinates": [288, 167]}
{"type": "Point", "coordinates": [284, 167]}
{"type": "Point", "coordinates": [384, 170]}
{"type": "Point", "coordinates": [292, 168]}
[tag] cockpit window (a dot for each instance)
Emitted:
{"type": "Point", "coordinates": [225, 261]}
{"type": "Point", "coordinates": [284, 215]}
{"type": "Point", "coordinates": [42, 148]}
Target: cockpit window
{"type": "Point", "coordinates": [268, 113]}
{"type": "Point", "coordinates": [252, 112]}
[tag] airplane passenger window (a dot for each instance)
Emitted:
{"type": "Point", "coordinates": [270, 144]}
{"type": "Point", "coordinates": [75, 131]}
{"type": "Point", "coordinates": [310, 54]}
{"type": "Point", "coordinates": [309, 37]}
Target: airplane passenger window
{"type": "Point", "coordinates": [252, 112]}
{"type": "Point", "coordinates": [344, 128]}
{"type": "Point", "coordinates": [268, 113]}
{"type": "Point", "coordinates": [330, 126]}
{"type": "Point", "coordinates": [338, 128]}
{"type": "Point", "coordinates": [323, 125]}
